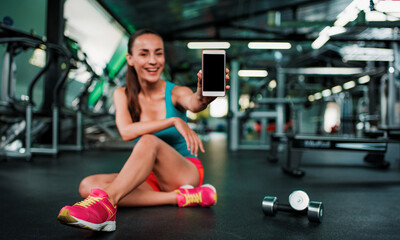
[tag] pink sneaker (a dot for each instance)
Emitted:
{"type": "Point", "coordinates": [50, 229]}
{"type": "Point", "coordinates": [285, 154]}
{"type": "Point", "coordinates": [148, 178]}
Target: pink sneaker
{"type": "Point", "coordinates": [203, 196]}
{"type": "Point", "coordinates": [94, 213]}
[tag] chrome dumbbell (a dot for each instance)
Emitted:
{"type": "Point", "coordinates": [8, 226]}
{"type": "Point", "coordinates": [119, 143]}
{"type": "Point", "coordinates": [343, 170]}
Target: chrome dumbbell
{"type": "Point", "coordinates": [299, 203]}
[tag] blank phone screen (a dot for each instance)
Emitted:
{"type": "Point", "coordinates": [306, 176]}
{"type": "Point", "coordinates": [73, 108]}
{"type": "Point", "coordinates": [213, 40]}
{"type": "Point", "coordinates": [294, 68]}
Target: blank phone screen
{"type": "Point", "coordinates": [214, 72]}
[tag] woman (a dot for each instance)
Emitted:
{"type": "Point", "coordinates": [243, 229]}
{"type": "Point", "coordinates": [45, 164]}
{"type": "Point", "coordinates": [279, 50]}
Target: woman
{"type": "Point", "coordinates": [163, 166]}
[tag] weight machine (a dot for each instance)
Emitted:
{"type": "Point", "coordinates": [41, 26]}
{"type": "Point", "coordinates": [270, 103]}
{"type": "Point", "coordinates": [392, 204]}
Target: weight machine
{"type": "Point", "coordinates": [29, 125]}
{"type": "Point", "coordinates": [375, 144]}
{"type": "Point", "coordinates": [236, 117]}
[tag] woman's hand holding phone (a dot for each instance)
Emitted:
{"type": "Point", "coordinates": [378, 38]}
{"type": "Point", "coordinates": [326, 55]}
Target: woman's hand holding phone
{"type": "Point", "coordinates": [205, 99]}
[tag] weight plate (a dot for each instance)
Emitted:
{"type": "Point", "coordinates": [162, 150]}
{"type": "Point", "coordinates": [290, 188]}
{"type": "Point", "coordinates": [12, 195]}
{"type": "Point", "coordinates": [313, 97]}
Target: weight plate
{"type": "Point", "coordinates": [315, 211]}
{"type": "Point", "coordinates": [270, 205]}
{"type": "Point", "coordinates": [299, 200]}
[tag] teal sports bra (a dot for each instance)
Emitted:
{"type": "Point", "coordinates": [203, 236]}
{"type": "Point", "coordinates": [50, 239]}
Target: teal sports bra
{"type": "Point", "coordinates": [171, 135]}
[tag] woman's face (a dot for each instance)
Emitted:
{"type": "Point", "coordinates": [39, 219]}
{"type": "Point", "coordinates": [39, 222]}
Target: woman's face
{"type": "Point", "coordinates": [147, 57]}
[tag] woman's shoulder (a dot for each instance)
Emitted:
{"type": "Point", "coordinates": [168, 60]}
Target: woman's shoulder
{"type": "Point", "coordinates": [179, 96]}
{"type": "Point", "coordinates": [120, 90]}
{"type": "Point", "coordinates": [181, 90]}
{"type": "Point", "coordinates": [119, 93]}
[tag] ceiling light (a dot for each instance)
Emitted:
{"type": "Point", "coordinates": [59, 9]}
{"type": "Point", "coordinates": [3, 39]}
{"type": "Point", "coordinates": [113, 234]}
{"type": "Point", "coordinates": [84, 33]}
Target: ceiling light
{"type": "Point", "coordinates": [356, 53]}
{"type": "Point", "coordinates": [272, 84]}
{"type": "Point", "coordinates": [269, 45]}
{"type": "Point", "coordinates": [346, 16]}
{"type": "Point", "coordinates": [324, 71]}
{"type": "Point", "coordinates": [208, 45]}
{"type": "Point", "coordinates": [374, 16]}
{"type": "Point", "coordinates": [330, 31]}
{"type": "Point", "coordinates": [326, 93]}
{"type": "Point", "coordinates": [325, 34]}
{"type": "Point", "coordinates": [252, 73]}
{"type": "Point", "coordinates": [320, 41]}
{"type": "Point", "coordinates": [349, 85]}
{"type": "Point", "coordinates": [349, 14]}
{"type": "Point", "coordinates": [336, 30]}
{"type": "Point", "coordinates": [337, 89]}
{"type": "Point", "coordinates": [364, 79]}
{"type": "Point", "coordinates": [317, 96]}
{"type": "Point", "coordinates": [311, 98]}
{"type": "Point", "coordinates": [388, 6]}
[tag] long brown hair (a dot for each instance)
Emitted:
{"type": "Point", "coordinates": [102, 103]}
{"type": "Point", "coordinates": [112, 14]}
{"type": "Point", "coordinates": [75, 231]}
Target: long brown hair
{"type": "Point", "coordinates": [132, 82]}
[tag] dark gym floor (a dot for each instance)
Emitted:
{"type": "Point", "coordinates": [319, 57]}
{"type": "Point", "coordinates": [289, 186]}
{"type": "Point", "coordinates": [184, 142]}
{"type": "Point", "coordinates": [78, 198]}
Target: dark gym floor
{"type": "Point", "coordinates": [360, 202]}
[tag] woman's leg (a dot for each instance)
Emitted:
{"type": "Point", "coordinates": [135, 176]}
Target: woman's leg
{"type": "Point", "coordinates": [143, 195]}
{"type": "Point", "coordinates": [152, 154]}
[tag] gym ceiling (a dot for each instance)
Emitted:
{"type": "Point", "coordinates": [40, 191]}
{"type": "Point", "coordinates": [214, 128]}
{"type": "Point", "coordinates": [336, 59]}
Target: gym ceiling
{"type": "Point", "coordinates": [239, 22]}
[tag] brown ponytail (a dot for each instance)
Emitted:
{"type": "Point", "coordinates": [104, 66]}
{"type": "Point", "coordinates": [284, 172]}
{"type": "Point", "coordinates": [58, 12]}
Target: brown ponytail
{"type": "Point", "coordinates": [132, 91]}
{"type": "Point", "coordinates": [132, 82]}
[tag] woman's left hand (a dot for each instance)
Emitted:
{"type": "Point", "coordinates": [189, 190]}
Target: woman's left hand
{"type": "Point", "coordinates": [193, 141]}
{"type": "Point", "coordinates": [203, 99]}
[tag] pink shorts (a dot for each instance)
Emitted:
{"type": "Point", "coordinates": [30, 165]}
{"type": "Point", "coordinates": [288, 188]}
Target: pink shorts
{"type": "Point", "coordinates": [152, 180]}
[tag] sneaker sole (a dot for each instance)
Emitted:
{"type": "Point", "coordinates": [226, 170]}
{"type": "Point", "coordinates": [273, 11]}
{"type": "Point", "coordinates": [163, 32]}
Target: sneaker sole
{"type": "Point", "coordinates": [65, 218]}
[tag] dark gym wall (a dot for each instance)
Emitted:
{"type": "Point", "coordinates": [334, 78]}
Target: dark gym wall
{"type": "Point", "coordinates": [28, 16]}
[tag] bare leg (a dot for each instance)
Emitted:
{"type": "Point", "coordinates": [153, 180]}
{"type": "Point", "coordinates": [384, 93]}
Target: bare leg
{"type": "Point", "coordinates": [143, 195]}
{"type": "Point", "coordinates": [152, 154]}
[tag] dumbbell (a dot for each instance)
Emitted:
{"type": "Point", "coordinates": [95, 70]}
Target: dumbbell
{"type": "Point", "coordinates": [299, 203]}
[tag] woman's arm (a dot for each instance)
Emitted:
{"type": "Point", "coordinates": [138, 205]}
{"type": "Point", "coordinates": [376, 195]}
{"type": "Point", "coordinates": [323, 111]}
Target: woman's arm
{"type": "Point", "coordinates": [194, 102]}
{"type": "Point", "coordinates": [130, 130]}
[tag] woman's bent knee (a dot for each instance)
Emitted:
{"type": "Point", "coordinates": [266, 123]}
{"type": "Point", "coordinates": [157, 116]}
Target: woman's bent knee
{"type": "Point", "coordinates": [95, 181]}
{"type": "Point", "coordinates": [86, 186]}
{"type": "Point", "coordinates": [148, 140]}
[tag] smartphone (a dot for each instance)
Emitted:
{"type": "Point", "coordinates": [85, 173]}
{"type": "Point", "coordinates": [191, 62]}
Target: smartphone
{"type": "Point", "coordinates": [213, 68]}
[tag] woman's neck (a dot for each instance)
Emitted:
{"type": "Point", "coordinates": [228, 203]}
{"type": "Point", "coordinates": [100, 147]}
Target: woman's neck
{"type": "Point", "coordinates": [148, 90]}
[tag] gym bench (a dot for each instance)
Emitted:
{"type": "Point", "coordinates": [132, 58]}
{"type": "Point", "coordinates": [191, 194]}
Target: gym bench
{"type": "Point", "coordinates": [296, 144]}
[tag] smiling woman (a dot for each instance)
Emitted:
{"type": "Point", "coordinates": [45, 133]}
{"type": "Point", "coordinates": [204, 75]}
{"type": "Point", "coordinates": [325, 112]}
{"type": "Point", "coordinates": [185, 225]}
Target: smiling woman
{"type": "Point", "coordinates": [146, 59]}
{"type": "Point", "coordinates": [163, 167]}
